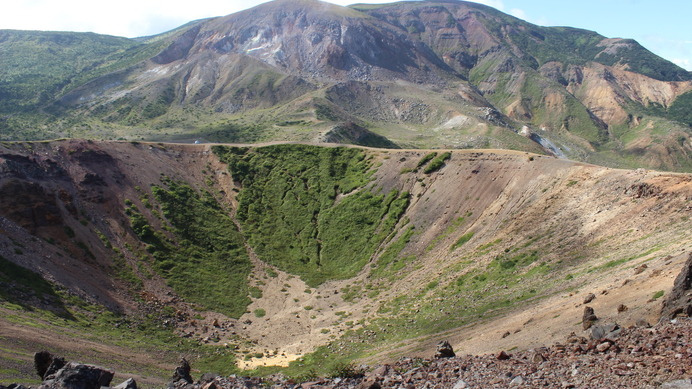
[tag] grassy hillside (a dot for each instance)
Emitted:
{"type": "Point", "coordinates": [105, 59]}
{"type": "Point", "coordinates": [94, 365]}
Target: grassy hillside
{"type": "Point", "coordinates": [35, 66]}
{"type": "Point", "coordinates": [575, 46]}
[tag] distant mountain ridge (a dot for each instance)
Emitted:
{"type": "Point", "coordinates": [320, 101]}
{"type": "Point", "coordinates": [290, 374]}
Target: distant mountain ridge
{"type": "Point", "coordinates": [424, 74]}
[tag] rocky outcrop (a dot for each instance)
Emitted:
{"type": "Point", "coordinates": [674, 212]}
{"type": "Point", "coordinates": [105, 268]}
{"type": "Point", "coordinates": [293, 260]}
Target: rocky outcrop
{"type": "Point", "coordinates": [57, 374]}
{"type": "Point", "coordinates": [42, 362]}
{"type": "Point", "coordinates": [589, 318]}
{"type": "Point", "coordinates": [29, 205]}
{"type": "Point", "coordinates": [76, 375]}
{"type": "Point", "coordinates": [444, 350]}
{"type": "Point", "coordinates": [181, 374]}
{"type": "Point", "coordinates": [679, 301]}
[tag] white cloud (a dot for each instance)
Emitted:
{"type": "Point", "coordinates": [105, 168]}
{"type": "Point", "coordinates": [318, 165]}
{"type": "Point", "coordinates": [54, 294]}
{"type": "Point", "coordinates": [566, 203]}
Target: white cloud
{"type": "Point", "coordinates": [123, 17]}
{"type": "Point", "coordinates": [685, 63]}
{"type": "Point", "coordinates": [519, 13]}
{"type": "Point", "coordinates": [497, 4]}
{"type": "Point", "coordinates": [130, 18]}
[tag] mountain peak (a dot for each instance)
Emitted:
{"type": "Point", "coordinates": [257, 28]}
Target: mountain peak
{"type": "Point", "coordinates": [311, 7]}
{"type": "Point", "coordinates": [421, 74]}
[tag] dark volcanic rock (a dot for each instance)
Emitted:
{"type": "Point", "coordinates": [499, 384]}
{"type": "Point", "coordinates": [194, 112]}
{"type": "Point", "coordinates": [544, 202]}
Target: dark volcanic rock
{"type": "Point", "coordinates": [14, 386]}
{"type": "Point", "coordinates": [79, 376]}
{"type": "Point", "coordinates": [182, 372]}
{"type": "Point", "coordinates": [56, 364]}
{"type": "Point", "coordinates": [589, 318]}
{"type": "Point", "coordinates": [679, 301]}
{"type": "Point", "coordinates": [42, 361]}
{"type": "Point", "coordinates": [29, 204]}
{"type": "Point", "coordinates": [607, 331]}
{"type": "Point", "coordinates": [444, 350]}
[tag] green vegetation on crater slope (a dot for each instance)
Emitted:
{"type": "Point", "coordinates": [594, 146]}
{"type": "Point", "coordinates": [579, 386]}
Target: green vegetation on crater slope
{"type": "Point", "coordinates": [309, 211]}
{"type": "Point", "coordinates": [205, 261]}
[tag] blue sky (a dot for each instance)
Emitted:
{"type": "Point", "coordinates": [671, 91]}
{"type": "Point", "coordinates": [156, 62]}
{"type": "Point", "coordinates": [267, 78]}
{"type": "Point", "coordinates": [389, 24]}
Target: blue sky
{"type": "Point", "coordinates": [662, 26]}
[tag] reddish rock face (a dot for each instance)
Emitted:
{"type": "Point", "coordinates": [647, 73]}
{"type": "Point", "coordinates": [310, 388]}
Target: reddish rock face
{"type": "Point", "coordinates": [29, 205]}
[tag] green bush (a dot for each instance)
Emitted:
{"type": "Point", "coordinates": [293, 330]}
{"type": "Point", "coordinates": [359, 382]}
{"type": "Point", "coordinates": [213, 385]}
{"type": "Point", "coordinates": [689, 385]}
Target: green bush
{"type": "Point", "coordinates": [427, 158]}
{"type": "Point", "coordinates": [437, 163]}
{"type": "Point", "coordinates": [681, 109]}
{"type": "Point", "coordinates": [344, 370]}
{"type": "Point", "coordinates": [460, 242]}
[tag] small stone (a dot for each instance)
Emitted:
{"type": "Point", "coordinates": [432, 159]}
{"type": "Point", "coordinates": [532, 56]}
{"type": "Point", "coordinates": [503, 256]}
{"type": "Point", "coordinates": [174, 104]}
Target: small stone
{"type": "Point", "coordinates": [589, 298]}
{"type": "Point", "coordinates": [518, 380]}
{"type": "Point", "coordinates": [622, 308]}
{"type": "Point", "coordinates": [603, 347]}
{"type": "Point", "coordinates": [537, 357]}
{"type": "Point", "coordinates": [208, 377]}
{"type": "Point", "coordinates": [461, 384]}
{"type": "Point", "coordinates": [369, 383]}
{"type": "Point", "coordinates": [502, 356]}
{"type": "Point", "coordinates": [42, 361]}
{"type": "Point", "coordinates": [182, 372]}
{"type": "Point", "coordinates": [640, 269]}
{"type": "Point", "coordinates": [679, 384]}
{"type": "Point", "coordinates": [380, 371]}
{"type": "Point", "coordinates": [643, 323]}
{"type": "Point", "coordinates": [211, 385]}
{"type": "Point", "coordinates": [606, 331]}
{"type": "Point", "coordinates": [130, 383]}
